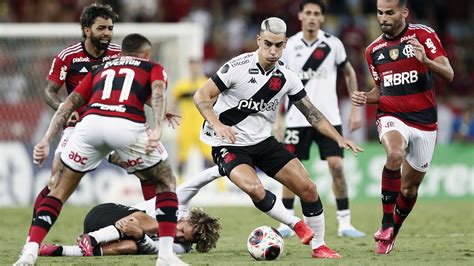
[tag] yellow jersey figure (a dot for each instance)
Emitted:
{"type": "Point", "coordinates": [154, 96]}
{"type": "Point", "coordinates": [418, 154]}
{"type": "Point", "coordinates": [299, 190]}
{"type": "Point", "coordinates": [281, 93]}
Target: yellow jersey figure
{"type": "Point", "coordinates": [191, 120]}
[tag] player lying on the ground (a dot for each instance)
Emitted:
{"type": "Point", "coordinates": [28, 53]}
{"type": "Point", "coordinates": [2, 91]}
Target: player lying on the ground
{"type": "Point", "coordinates": [114, 229]}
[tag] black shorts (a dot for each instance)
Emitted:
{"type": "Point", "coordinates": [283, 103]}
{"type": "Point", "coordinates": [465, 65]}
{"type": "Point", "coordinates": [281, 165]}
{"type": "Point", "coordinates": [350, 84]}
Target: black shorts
{"type": "Point", "coordinates": [269, 155]}
{"type": "Point", "coordinates": [298, 141]}
{"type": "Point", "coordinates": [104, 215]}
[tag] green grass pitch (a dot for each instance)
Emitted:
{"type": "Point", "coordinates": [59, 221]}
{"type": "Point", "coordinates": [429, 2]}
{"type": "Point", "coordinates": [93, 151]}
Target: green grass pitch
{"type": "Point", "coordinates": [436, 233]}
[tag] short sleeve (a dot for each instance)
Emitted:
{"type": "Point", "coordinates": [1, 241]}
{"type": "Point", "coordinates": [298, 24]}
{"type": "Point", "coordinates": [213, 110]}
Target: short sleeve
{"type": "Point", "coordinates": [58, 71]}
{"type": "Point", "coordinates": [296, 91]}
{"type": "Point", "coordinates": [432, 43]}
{"type": "Point", "coordinates": [372, 69]}
{"type": "Point", "coordinates": [223, 77]}
{"type": "Point", "coordinates": [158, 73]}
{"type": "Point", "coordinates": [85, 87]}
{"type": "Point", "coordinates": [341, 55]}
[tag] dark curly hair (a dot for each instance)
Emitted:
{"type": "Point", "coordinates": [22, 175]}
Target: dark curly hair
{"type": "Point", "coordinates": [206, 230]}
{"type": "Point", "coordinates": [93, 11]}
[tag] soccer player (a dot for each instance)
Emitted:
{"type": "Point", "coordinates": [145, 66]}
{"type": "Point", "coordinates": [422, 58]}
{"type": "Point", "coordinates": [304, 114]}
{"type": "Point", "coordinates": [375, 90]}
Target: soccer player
{"type": "Point", "coordinates": [238, 127]}
{"type": "Point", "coordinates": [402, 62]}
{"type": "Point", "coordinates": [114, 94]}
{"type": "Point", "coordinates": [316, 57]}
{"type": "Point", "coordinates": [115, 229]}
{"type": "Point", "coordinates": [190, 124]}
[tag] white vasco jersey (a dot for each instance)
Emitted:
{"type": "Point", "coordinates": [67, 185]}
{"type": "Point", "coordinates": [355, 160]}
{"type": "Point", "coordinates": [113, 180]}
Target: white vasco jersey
{"type": "Point", "coordinates": [316, 65]}
{"type": "Point", "coordinates": [249, 99]}
{"type": "Point", "coordinates": [148, 206]}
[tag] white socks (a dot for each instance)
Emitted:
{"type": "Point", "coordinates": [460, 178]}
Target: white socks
{"type": "Point", "coordinates": [344, 219]}
{"type": "Point", "coordinates": [317, 224]}
{"type": "Point", "coordinates": [191, 187]}
{"type": "Point", "coordinates": [281, 214]}
{"type": "Point", "coordinates": [72, 251]}
{"type": "Point", "coordinates": [165, 246]}
{"type": "Point", "coordinates": [106, 234]}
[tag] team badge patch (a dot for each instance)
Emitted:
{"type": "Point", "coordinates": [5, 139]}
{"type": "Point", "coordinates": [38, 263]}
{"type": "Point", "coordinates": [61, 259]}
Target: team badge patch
{"type": "Point", "coordinates": [225, 68]}
{"type": "Point", "coordinates": [393, 54]}
{"type": "Point", "coordinates": [275, 84]}
{"type": "Point", "coordinates": [318, 54]}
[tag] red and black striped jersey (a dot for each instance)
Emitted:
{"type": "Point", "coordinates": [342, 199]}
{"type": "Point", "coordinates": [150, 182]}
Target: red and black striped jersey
{"type": "Point", "coordinates": [120, 87]}
{"type": "Point", "coordinates": [73, 63]}
{"type": "Point", "coordinates": [407, 85]}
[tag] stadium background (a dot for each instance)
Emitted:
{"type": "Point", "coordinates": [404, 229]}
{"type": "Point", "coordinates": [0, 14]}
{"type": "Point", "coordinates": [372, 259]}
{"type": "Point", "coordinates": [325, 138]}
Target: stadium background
{"type": "Point", "coordinates": [228, 29]}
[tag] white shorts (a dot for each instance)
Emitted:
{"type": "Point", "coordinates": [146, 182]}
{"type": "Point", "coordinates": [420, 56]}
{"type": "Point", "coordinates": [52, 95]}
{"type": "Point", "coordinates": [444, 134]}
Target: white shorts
{"type": "Point", "coordinates": [96, 136]}
{"type": "Point", "coordinates": [67, 132]}
{"type": "Point", "coordinates": [420, 144]}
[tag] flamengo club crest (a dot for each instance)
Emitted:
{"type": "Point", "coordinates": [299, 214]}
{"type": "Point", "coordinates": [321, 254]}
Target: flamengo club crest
{"type": "Point", "coordinates": [393, 54]}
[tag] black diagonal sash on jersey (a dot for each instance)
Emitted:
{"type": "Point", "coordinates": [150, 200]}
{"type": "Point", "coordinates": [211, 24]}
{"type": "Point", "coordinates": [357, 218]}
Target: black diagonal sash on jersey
{"type": "Point", "coordinates": [234, 115]}
{"type": "Point", "coordinates": [316, 58]}
{"type": "Point", "coordinates": [314, 61]}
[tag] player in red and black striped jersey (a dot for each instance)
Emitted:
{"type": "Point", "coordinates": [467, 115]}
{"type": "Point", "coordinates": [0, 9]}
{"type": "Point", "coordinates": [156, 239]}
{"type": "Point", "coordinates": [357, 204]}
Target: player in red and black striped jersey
{"type": "Point", "coordinates": [71, 65]}
{"type": "Point", "coordinates": [402, 62]}
{"type": "Point", "coordinates": [114, 95]}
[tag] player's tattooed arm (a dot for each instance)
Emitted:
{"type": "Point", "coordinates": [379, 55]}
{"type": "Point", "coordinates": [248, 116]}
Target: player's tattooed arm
{"type": "Point", "coordinates": [73, 101]}
{"type": "Point", "coordinates": [317, 119]}
{"type": "Point", "coordinates": [51, 95]}
{"type": "Point", "coordinates": [158, 101]}
{"type": "Point", "coordinates": [312, 114]}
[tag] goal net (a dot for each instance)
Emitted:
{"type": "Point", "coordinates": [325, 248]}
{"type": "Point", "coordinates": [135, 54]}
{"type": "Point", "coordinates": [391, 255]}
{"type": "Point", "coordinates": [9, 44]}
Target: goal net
{"type": "Point", "coordinates": [26, 53]}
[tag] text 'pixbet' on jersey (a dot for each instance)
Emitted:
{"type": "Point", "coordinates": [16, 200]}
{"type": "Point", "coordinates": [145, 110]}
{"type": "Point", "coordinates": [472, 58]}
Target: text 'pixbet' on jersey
{"type": "Point", "coordinates": [258, 106]}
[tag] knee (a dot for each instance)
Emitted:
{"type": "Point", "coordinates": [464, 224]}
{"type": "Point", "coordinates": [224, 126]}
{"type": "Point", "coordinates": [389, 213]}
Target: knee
{"type": "Point", "coordinates": [308, 192]}
{"type": "Point", "coordinates": [337, 170]}
{"type": "Point", "coordinates": [410, 190]}
{"type": "Point", "coordinates": [395, 156]}
{"type": "Point", "coordinates": [255, 191]}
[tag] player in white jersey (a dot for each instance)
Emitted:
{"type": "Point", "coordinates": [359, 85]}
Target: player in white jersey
{"type": "Point", "coordinates": [316, 57]}
{"type": "Point", "coordinates": [238, 126]}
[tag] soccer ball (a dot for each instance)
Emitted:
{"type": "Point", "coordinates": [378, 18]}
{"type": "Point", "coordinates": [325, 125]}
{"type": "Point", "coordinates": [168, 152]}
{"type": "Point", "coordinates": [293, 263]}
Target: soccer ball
{"type": "Point", "coordinates": [265, 243]}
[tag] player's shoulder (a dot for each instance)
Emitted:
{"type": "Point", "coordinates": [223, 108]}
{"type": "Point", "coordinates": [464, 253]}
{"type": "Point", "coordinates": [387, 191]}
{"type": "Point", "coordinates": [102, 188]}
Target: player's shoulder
{"type": "Point", "coordinates": [329, 38]}
{"type": "Point", "coordinates": [376, 45]}
{"type": "Point", "coordinates": [239, 62]}
{"type": "Point", "coordinates": [295, 39]}
{"type": "Point", "coordinates": [114, 47]}
{"type": "Point", "coordinates": [73, 49]}
{"type": "Point", "coordinates": [420, 28]}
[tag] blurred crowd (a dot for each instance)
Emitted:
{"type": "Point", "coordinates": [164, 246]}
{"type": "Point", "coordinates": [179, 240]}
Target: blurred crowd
{"type": "Point", "coordinates": [231, 25]}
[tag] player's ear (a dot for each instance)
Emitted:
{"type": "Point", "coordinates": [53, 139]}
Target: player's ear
{"type": "Point", "coordinates": [87, 32]}
{"type": "Point", "coordinates": [300, 15]}
{"type": "Point", "coordinates": [258, 39]}
{"type": "Point", "coordinates": [405, 12]}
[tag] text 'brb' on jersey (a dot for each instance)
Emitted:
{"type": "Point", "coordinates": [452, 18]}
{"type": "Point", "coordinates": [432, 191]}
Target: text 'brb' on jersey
{"type": "Point", "coordinates": [73, 63]}
{"type": "Point", "coordinates": [249, 98]}
{"type": "Point", "coordinates": [120, 88]}
{"type": "Point", "coordinates": [316, 64]}
{"type": "Point", "coordinates": [407, 86]}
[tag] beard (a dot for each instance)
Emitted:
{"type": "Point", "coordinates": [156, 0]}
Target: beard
{"type": "Point", "coordinates": [98, 44]}
{"type": "Point", "coordinates": [391, 29]}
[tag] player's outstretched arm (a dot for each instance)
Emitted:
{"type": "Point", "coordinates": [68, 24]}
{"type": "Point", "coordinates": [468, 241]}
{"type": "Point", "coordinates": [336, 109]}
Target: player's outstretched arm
{"type": "Point", "coordinates": [158, 104]}
{"type": "Point", "coordinates": [203, 99]}
{"type": "Point", "coordinates": [320, 123]}
{"type": "Point", "coordinates": [41, 150]}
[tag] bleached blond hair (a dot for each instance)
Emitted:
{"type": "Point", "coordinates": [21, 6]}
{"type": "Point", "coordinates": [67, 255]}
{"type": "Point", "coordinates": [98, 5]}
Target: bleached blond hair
{"type": "Point", "coordinates": [274, 25]}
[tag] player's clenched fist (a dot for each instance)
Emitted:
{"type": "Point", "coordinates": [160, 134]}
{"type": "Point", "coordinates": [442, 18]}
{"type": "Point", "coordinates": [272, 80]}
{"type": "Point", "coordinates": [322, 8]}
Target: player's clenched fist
{"type": "Point", "coordinates": [359, 98]}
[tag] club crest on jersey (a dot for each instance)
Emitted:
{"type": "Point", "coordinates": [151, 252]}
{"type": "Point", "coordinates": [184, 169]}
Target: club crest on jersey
{"type": "Point", "coordinates": [275, 83]}
{"type": "Point", "coordinates": [318, 54]}
{"type": "Point", "coordinates": [408, 51]}
{"type": "Point", "coordinates": [393, 53]}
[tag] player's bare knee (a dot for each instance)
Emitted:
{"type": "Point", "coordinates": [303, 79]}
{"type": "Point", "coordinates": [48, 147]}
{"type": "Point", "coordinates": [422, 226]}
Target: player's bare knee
{"type": "Point", "coordinates": [255, 191]}
{"type": "Point", "coordinates": [308, 192]}
{"type": "Point", "coordinates": [395, 158]}
{"type": "Point", "coordinates": [337, 170]}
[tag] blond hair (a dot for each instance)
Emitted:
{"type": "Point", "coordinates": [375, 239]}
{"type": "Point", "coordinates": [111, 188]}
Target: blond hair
{"type": "Point", "coordinates": [274, 25]}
